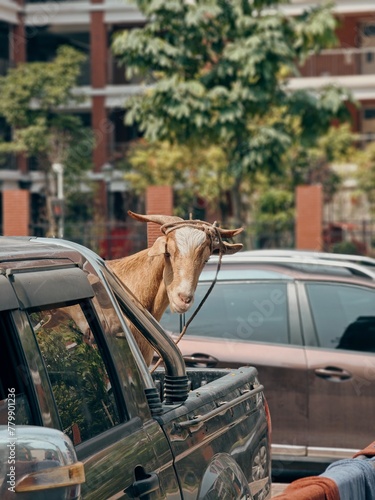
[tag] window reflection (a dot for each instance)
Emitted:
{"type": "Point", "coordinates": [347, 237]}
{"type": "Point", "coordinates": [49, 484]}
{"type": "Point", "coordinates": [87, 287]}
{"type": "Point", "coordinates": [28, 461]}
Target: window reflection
{"type": "Point", "coordinates": [343, 316]}
{"type": "Point", "coordinates": [78, 375]}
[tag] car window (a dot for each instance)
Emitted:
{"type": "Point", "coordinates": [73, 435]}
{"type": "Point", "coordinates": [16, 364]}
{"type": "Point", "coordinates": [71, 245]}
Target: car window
{"type": "Point", "coordinates": [77, 372]}
{"type": "Point", "coordinates": [14, 397]}
{"type": "Point", "coordinates": [344, 316]}
{"type": "Point", "coordinates": [247, 311]}
{"type": "Point", "coordinates": [209, 272]}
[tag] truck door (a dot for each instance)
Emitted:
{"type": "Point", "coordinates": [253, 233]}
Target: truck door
{"type": "Point", "coordinates": [90, 388]}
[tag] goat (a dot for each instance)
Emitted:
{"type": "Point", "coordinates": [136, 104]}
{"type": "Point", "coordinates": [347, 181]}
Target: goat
{"type": "Point", "coordinates": [168, 271]}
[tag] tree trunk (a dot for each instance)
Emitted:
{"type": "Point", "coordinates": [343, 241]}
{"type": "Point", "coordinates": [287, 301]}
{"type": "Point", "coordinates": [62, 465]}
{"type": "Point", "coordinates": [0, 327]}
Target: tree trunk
{"type": "Point", "coordinates": [238, 216]}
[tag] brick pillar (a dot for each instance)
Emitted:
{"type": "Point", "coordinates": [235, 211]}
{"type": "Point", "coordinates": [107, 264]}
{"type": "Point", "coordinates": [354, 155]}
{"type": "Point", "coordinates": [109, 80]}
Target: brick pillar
{"type": "Point", "coordinates": [159, 201]}
{"type": "Point", "coordinates": [16, 212]}
{"type": "Point", "coordinates": [98, 61]}
{"type": "Point", "coordinates": [17, 42]}
{"type": "Point", "coordinates": [101, 126]}
{"type": "Point", "coordinates": [309, 218]}
{"type": "Point", "coordinates": [18, 55]}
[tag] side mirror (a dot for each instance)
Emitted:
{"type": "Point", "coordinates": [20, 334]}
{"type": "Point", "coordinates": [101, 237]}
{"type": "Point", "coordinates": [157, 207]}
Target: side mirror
{"type": "Point", "coordinates": [38, 463]}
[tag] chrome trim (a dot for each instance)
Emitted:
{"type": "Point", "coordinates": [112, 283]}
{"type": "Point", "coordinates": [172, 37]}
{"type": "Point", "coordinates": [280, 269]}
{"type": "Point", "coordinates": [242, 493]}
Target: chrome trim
{"type": "Point", "coordinates": [278, 450]}
{"type": "Point", "coordinates": [290, 450]}
{"type": "Point", "coordinates": [224, 406]}
{"type": "Point", "coordinates": [313, 451]}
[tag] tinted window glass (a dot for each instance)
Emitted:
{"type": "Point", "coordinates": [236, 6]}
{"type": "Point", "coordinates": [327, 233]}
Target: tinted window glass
{"type": "Point", "coordinates": [77, 372]}
{"type": "Point", "coordinates": [344, 316]}
{"type": "Point", "coordinates": [242, 274]}
{"type": "Point", "coordinates": [242, 311]}
{"type": "Point", "coordinates": [14, 403]}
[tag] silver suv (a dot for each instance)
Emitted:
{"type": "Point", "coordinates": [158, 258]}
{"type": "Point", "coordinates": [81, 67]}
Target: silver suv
{"type": "Point", "coordinates": [345, 260]}
{"type": "Point", "coordinates": [308, 326]}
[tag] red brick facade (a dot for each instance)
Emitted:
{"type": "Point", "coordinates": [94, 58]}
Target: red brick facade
{"type": "Point", "coordinates": [99, 77]}
{"type": "Point", "coordinates": [309, 218]}
{"type": "Point", "coordinates": [159, 200]}
{"type": "Point", "coordinates": [16, 212]}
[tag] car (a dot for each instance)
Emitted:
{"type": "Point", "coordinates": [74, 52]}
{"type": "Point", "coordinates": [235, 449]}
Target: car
{"type": "Point", "coordinates": [361, 260]}
{"type": "Point", "coordinates": [308, 326]}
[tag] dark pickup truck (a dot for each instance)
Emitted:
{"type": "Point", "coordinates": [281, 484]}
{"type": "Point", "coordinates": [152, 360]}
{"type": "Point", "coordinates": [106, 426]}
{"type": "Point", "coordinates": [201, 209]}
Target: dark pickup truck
{"type": "Point", "coordinates": [81, 416]}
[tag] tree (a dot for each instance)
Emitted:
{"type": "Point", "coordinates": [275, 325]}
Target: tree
{"type": "Point", "coordinates": [312, 165]}
{"type": "Point", "coordinates": [32, 97]}
{"type": "Point", "coordinates": [272, 197]}
{"type": "Point", "coordinates": [274, 217]}
{"type": "Point", "coordinates": [366, 174]}
{"type": "Point", "coordinates": [198, 176]}
{"type": "Point", "coordinates": [217, 71]}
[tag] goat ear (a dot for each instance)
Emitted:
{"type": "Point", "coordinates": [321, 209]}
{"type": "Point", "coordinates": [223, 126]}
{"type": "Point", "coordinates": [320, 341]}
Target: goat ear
{"type": "Point", "coordinates": [158, 248]}
{"type": "Point", "coordinates": [229, 248]}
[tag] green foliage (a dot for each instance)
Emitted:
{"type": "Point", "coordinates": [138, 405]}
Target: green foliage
{"type": "Point", "coordinates": [311, 165]}
{"type": "Point", "coordinates": [32, 97]}
{"type": "Point", "coordinates": [47, 85]}
{"type": "Point", "coordinates": [32, 94]}
{"type": "Point", "coordinates": [366, 173]}
{"type": "Point", "coordinates": [193, 172]}
{"type": "Point", "coordinates": [273, 207]}
{"type": "Point", "coordinates": [347, 247]}
{"type": "Point", "coordinates": [216, 73]}
{"type": "Point", "coordinates": [217, 67]}
{"type": "Point", "coordinates": [275, 210]}
{"type": "Point", "coordinates": [338, 144]}
{"type": "Point", "coordinates": [314, 30]}
{"type": "Point", "coordinates": [273, 216]}
{"type": "Point", "coordinates": [78, 377]}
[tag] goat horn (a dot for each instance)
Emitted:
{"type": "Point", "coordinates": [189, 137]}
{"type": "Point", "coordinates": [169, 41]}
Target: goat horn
{"type": "Point", "coordinates": [158, 219]}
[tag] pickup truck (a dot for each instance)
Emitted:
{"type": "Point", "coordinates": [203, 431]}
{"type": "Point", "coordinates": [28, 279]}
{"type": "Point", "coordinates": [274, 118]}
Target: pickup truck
{"type": "Point", "coordinates": [82, 417]}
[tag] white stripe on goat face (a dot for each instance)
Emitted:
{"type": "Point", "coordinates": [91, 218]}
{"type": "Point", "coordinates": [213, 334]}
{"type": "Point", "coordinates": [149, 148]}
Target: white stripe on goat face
{"type": "Point", "coordinates": [192, 249]}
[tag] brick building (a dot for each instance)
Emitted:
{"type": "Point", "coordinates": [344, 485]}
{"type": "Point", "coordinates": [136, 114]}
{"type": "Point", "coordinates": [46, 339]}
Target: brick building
{"type": "Point", "coordinates": [32, 30]}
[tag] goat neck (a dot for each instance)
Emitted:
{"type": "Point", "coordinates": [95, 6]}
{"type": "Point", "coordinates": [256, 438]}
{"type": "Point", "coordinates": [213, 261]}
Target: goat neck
{"type": "Point", "coordinates": [143, 275]}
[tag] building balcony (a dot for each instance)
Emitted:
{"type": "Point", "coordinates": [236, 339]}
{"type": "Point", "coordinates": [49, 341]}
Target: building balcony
{"type": "Point", "coordinates": [341, 62]}
{"type": "Point", "coordinates": [295, 7]}
{"type": "Point", "coordinates": [352, 68]}
{"type": "Point", "coordinates": [73, 14]}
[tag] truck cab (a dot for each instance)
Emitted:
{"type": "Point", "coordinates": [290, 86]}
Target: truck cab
{"type": "Point", "coordinates": [81, 416]}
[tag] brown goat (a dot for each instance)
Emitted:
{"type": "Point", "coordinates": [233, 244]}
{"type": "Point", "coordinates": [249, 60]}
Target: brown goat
{"type": "Point", "coordinates": [167, 273]}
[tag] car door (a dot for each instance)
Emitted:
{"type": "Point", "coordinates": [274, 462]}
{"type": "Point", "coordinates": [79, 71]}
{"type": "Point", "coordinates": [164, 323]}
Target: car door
{"type": "Point", "coordinates": [254, 323]}
{"type": "Point", "coordinates": [88, 385]}
{"type": "Point", "coordinates": [339, 325]}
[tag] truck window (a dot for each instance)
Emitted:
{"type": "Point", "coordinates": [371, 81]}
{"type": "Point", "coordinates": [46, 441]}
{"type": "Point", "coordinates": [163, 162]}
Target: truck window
{"type": "Point", "coordinates": [77, 372]}
{"type": "Point", "coordinates": [14, 403]}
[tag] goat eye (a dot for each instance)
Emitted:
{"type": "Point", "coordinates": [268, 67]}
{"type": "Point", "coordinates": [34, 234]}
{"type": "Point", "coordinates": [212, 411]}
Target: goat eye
{"type": "Point", "coordinates": [167, 254]}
